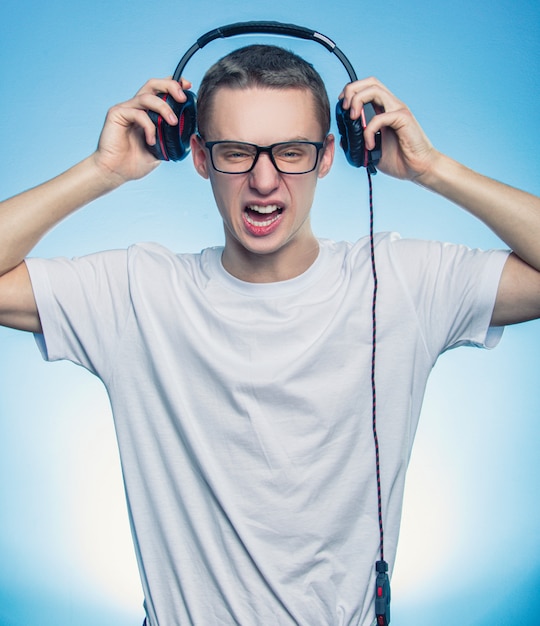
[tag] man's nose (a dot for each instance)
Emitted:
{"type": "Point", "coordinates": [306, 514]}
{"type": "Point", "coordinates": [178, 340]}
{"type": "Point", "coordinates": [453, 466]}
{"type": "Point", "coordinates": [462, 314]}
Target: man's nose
{"type": "Point", "coordinates": [264, 177]}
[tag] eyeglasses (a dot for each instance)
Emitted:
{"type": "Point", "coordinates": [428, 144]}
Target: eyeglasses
{"type": "Point", "coordinates": [288, 157]}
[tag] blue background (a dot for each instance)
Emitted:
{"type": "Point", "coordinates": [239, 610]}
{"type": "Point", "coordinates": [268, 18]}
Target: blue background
{"type": "Point", "coordinates": [470, 541]}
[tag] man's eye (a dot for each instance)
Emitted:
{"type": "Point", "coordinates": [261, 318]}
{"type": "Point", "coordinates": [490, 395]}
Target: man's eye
{"type": "Point", "coordinates": [291, 153]}
{"type": "Point", "coordinates": [235, 154]}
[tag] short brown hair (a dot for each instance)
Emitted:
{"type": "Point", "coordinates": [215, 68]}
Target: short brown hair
{"type": "Point", "coordinates": [262, 66]}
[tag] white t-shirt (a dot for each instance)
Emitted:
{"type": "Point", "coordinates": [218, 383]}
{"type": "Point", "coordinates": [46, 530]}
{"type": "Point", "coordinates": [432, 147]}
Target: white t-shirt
{"type": "Point", "coordinates": [243, 413]}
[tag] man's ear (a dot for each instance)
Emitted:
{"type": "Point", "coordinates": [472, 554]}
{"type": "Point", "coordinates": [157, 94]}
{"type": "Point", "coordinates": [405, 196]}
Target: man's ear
{"type": "Point", "coordinates": [327, 157]}
{"type": "Point", "coordinates": [199, 155]}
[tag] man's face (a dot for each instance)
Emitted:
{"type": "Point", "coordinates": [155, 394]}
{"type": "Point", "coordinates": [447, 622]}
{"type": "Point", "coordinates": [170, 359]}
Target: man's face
{"type": "Point", "coordinates": [264, 212]}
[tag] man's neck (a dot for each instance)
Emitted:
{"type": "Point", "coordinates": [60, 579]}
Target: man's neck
{"type": "Point", "coordinates": [288, 262]}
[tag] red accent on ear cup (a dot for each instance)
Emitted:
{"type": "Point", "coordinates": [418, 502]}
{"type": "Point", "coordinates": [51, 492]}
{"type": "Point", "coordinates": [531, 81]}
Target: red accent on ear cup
{"type": "Point", "coordinates": [160, 121]}
{"type": "Point", "coordinates": [158, 149]}
{"type": "Point", "coordinates": [364, 124]}
{"type": "Point", "coordinates": [182, 124]}
{"type": "Point", "coordinates": [172, 142]}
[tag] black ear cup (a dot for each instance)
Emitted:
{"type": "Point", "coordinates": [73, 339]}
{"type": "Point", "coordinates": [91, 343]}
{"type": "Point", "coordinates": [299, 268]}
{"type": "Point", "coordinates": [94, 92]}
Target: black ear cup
{"type": "Point", "coordinates": [172, 142]}
{"type": "Point", "coordinates": [352, 137]}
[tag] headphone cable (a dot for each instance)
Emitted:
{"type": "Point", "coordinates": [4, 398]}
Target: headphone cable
{"type": "Point", "coordinates": [382, 585]}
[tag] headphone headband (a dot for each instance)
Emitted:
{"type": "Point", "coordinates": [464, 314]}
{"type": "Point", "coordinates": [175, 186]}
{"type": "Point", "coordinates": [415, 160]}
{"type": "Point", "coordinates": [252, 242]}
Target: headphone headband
{"type": "Point", "coordinates": [273, 28]}
{"type": "Point", "coordinates": [173, 141]}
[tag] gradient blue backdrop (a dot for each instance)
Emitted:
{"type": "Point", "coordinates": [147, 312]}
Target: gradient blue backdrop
{"type": "Point", "coordinates": [470, 545]}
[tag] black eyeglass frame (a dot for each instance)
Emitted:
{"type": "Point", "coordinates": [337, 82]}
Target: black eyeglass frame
{"type": "Point", "coordinates": [268, 150]}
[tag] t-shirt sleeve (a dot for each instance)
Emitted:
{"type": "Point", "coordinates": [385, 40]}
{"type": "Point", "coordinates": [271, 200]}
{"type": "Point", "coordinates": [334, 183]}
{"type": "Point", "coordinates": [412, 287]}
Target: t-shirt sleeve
{"type": "Point", "coordinates": [83, 304]}
{"type": "Point", "coordinates": [453, 289]}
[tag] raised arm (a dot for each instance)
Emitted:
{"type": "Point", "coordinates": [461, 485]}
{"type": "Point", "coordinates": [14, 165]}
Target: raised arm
{"type": "Point", "coordinates": [512, 214]}
{"type": "Point", "coordinates": [121, 156]}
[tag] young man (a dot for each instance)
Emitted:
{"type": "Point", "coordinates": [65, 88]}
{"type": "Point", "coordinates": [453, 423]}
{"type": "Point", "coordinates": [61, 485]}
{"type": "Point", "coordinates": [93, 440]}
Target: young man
{"type": "Point", "coordinates": [239, 378]}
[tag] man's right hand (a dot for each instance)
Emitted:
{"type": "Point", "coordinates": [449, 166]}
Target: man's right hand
{"type": "Point", "coordinates": [122, 153]}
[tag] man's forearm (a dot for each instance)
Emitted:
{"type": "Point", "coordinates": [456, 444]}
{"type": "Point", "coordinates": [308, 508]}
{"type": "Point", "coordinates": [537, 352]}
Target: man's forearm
{"type": "Point", "coordinates": [512, 214]}
{"type": "Point", "coordinates": [27, 217]}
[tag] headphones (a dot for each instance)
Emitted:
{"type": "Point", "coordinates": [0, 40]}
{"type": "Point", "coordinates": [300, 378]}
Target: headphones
{"type": "Point", "coordinates": [173, 141]}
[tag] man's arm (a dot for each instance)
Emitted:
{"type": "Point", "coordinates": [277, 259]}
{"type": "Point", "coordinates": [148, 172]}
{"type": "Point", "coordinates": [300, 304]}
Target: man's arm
{"type": "Point", "coordinates": [24, 219]}
{"type": "Point", "coordinates": [512, 214]}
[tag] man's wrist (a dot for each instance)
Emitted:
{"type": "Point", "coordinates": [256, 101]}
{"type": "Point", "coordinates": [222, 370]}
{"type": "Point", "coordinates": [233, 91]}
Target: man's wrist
{"type": "Point", "coordinates": [104, 177]}
{"type": "Point", "coordinates": [439, 175]}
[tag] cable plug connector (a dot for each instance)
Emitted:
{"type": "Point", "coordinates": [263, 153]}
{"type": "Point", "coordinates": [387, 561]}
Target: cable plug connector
{"type": "Point", "coordinates": [382, 594]}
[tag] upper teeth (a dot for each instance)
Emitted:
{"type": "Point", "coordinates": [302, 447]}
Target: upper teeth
{"type": "Point", "coordinates": [263, 209]}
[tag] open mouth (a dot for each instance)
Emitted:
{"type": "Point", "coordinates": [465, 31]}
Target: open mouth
{"type": "Point", "coordinates": [258, 215]}
{"type": "Point", "coordinates": [262, 216]}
